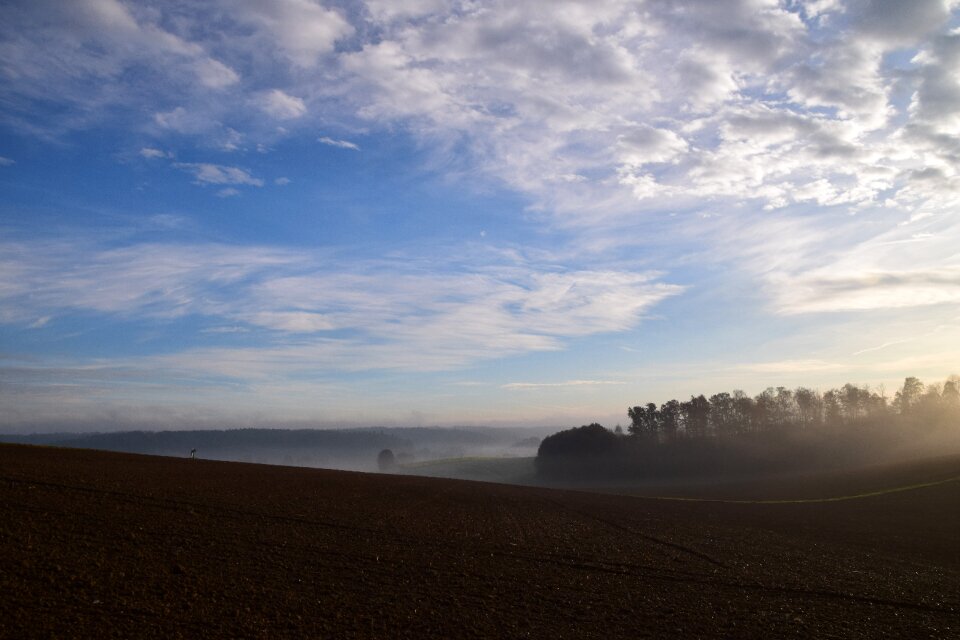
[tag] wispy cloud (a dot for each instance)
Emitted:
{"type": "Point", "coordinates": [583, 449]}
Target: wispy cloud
{"type": "Point", "coordinates": [881, 347]}
{"type": "Point", "coordinates": [149, 152]}
{"type": "Point", "coordinates": [388, 315]}
{"type": "Point", "coordinates": [855, 269]}
{"type": "Point", "coordinates": [226, 329]}
{"type": "Point", "coordinates": [206, 173]}
{"type": "Point", "coordinates": [39, 323]}
{"type": "Point", "coordinates": [6, 162]}
{"type": "Point", "coordinates": [936, 333]}
{"type": "Point", "coordinates": [343, 144]}
{"type": "Point", "coordinates": [80, 56]}
{"type": "Point", "coordinates": [521, 386]}
{"type": "Point", "coordinates": [148, 280]}
{"type": "Point", "coordinates": [791, 366]}
{"type": "Point", "coordinates": [292, 321]}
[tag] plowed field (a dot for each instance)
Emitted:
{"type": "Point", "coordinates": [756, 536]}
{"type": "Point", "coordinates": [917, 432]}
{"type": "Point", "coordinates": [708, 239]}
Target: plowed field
{"type": "Point", "coordinates": [97, 544]}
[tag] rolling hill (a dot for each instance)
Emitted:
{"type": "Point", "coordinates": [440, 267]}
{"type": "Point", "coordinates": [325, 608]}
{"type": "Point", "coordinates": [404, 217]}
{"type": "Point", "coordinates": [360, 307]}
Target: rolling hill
{"type": "Point", "coordinates": [121, 545]}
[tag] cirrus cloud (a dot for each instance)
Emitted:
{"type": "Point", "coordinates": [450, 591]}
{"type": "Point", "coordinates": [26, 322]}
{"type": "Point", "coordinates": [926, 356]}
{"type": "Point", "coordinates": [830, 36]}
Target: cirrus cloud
{"type": "Point", "coordinates": [407, 321]}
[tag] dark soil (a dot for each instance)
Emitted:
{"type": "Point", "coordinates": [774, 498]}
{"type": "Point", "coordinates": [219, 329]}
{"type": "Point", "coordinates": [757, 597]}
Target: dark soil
{"type": "Point", "coordinates": [96, 544]}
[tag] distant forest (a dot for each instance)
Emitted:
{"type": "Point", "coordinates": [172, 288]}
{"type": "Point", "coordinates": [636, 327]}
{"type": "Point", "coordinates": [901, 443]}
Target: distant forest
{"type": "Point", "coordinates": [779, 430]}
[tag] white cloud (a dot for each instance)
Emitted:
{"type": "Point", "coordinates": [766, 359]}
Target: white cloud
{"type": "Point", "coordinates": [388, 10]}
{"type": "Point", "coordinates": [868, 290]}
{"type": "Point", "coordinates": [301, 30]}
{"type": "Point", "coordinates": [215, 74]}
{"type": "Point", "coordinates": [393, 316]}
{"type": "Point", "coordinates": [229, 192]}
{"type": "Point", "coordinates": [708, 80]}
{"type": "Point", "coordinates": [592, 93]}
{"type": "Point", "coordinates": [880, 347]}
{"type": "Point", "coordinates": [206, 173]}
{"type": "Point", "coordinates": [512, 96]}
{"type": "Point", "coordinates": [149, 153]}
{"type": "Point", "coordinates": [934, 104]}
{"type": "Point", "coordinates": [819, 265]}
{"type": "Point", "coordinates": [6, 162]}
{"type": "Point", "coordinates": [280, 105]}
{"type": "Point", "coordinates": [282, 182]}
{"type": "Point", "coordinates": [147, 280]}
{"type": "Point", "coordinates": [645, 144]}
{"type": "Point", "coordinates": [183, 121]}
{"type": "Point", "coordinates": [816, 9]}
{"type": "Point", "coordinates": [844, 75]}
{"type": "Point", "coordinates": [607, 117]}
{"type": "Point", "coordinates": [81, 53]}
{"type": "Point", "coordinates": [343, 144]}
{"type": "Point", "coordinates": [230, 140]}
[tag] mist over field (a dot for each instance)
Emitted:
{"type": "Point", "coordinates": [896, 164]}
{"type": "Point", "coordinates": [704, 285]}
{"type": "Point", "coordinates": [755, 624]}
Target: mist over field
{"type": "Point", "coordinates": [779, 431]}
{"type": "Point", "coordinates": [348, 449]}
{"type": "Point", "coordinates": [720, 438]}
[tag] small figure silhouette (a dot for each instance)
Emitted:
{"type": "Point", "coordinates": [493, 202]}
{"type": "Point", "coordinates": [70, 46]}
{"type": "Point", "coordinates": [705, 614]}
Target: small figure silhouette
{"type": "Point", "coordinates": [193, 454]}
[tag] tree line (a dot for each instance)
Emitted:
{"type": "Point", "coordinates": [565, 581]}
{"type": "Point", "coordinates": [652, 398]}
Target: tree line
{"type": "Point", "coordinates": [778, 429]}
{"type": "Point", "coordinates": [735, 414]}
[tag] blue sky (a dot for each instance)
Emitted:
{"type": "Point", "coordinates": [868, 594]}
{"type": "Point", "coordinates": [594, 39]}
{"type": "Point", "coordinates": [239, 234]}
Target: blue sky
{"type": "Point", "coordinates": [432, 212]}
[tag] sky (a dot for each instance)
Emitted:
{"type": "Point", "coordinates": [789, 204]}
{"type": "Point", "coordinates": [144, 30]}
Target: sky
{"type": "Point", "coordinates": [432, 212]}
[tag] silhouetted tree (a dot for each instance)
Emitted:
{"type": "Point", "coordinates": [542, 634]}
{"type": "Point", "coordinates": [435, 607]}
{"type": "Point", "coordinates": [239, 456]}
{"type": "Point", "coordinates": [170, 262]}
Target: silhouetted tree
{"type": "Point", "coordinates": [778, 429]}
{"type": "Point", "coordinates": [908, 396]}
{"type": "Point", "coordinates": [951, 397]}
{"type": "Point", "coordinates": [645, 421]}
{"type": "Point", "coordinates": [696, 414]}
{"type": "Point", "coordinates": [385, 460]}
{"type": "Point", "coordinates": [929, 405]}
{"type": "Point", "coordinates": [808, 406]}
{"type": "Point", "coordinates": [744, 410]}
{"type": "Point", "coordinates": [852, 400]}
{"type": "Point", "coordinates": [876, 406]}
{"type": "Point", "coordinates": [832, 409]}
{"type": "Point", "coordinates": [764, 409]}
{"type": "Point", "coordinates": [588, 440]}
{"type": "Point", "coordinates": [722, 415]}
{"type": "Point", "coordinates": [671, 418]}
{"type": "Point", "coordinates": [783, 408]}
{"type": "Point", "coordinates": [587, 451]}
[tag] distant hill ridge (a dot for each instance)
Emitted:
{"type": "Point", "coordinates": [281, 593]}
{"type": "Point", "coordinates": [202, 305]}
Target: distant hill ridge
{"type": "Point", "coordinates": [352, 448]}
